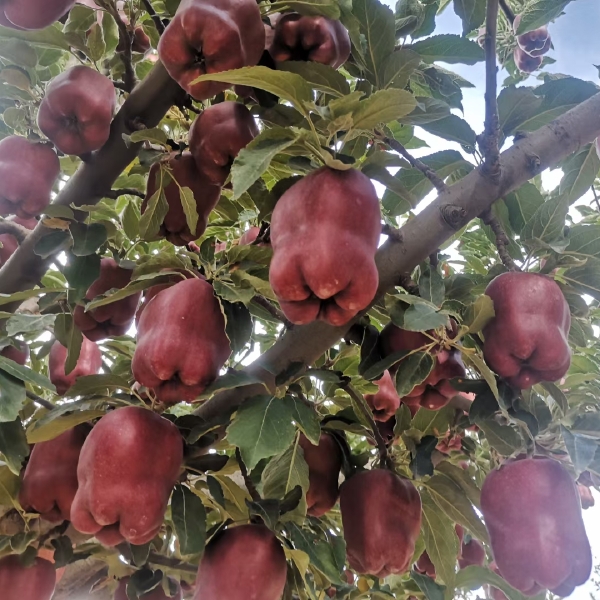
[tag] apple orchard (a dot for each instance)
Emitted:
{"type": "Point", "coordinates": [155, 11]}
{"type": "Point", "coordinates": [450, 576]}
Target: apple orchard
{"type": "Point", "coordinates": [240, 358]}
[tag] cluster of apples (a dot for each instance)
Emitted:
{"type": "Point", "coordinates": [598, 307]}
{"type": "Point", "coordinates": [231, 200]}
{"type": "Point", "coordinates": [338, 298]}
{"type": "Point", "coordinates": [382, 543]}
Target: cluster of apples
{"type": "Point", "coordinates": [531, 47]}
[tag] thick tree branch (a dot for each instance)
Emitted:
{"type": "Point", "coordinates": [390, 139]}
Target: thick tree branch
{"type": "Point", "coordinates": [436, 181]}
{"type": "Point", "coordinates": [17, 231]}
{"type": "Point", "coordinates": [502, 241]}
{"type": "Point", "coordinates": [491, 165]}
{"type": "Point", "coordinates": [148, 103]}
{"type": "Point", "coordinates": [453, 208]}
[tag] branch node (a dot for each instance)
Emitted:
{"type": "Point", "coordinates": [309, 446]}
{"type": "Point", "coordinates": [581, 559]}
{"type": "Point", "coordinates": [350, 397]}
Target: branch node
{"type": "Point", "coordinates": [453, 215]}
{"type": "Point", "coordinates": [393, 233]}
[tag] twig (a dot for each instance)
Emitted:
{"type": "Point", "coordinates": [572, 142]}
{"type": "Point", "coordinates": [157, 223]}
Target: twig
{"type": "Point", "coordinates": [249, 483]}
{"type": "Point", "coordinates": [157, 21]}
{"type": "Point", "coordinates": [596, 197]}
{"type": "Point", "coordinates": [409, 285]}
{"type": "Point", "coordinates": [40, 401]}
{"type": "Point", "coordinates": [114, 194]}
{"type": "Point", "coordinates": [436, 181]}
{"type": "Point", "coordinates": [510, 15]}
{"type": "Point", "coordinates": [129, 78]}
{"type": "Point", "coordinates": [502, 241]}
{"type": "Point", "coordinates": [491, 152]}
{"type": "Point", "coordinates": [393, 233]}
{"type": "Point", "coordinates": [174, 563]}
{"type": "Point", "coordinates": [360, 401]}
{"type": "Point", "coordinates": [272, 310]}
{"type": "Point", "coordinates": [17, 231]}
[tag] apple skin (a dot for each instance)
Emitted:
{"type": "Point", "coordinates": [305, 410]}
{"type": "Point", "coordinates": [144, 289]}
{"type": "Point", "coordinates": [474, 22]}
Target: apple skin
{"type": "Point", "coordinates": [525, 62]}
{"type": "Point", "coordinates": [88, 363]}
{"type": "Point", "coordinates": [310, 38]}
{"type": "Point", "coordinates": [156, 594]}
{"type": "Point", "coordinates": [111, 319]}
{"type": "Point", "coordinates": [18, 582]}
{"type": "Point", "coordinates": [10, 242]}
{"type": "Point", "coordinates": [472, 553]}
{"type": "Point", "coordinates": [183, 169]}
{"type": "Point", "coordinates": [324, 233]}
{"type": "Point", "coordinates": [181, 342]}
{"type": "Point", "coordinates": [242, 563]}
{"type": "Point", "coordinates": [217, 135]}
{"type": "Point", "coordinates": [381, 515]}
{"type": "Point", "coordinates": [211, 36]}
{"type": "Point", "coordinates": [536, 42]}
{"type": "Point", "coordinates": [33, 14]}
{"type": "Point", "coordinates": [20, 355]}
{"type": "Point", "coordinates": [128, 466]}
{"type": "Point", "coordinates": [532, 512]}
{"type": "Point", "coordinates": [585, 496]}
{"type": "Point", "coordinates": [324, 464]}
{"type": "Point", "coordinates": [28, 171]}
{"type": "Point", "coordinates": [50, 479]}
{"type": "Point", "coordinates": [77, 110]}
{"type": "Point", "coordinates": [527, 341]}
{"type": "Point", "coordinates": [386, 401]}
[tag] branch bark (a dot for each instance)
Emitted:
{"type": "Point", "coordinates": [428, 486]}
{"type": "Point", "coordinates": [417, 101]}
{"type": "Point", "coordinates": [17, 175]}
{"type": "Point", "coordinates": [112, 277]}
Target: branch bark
{"type": "Point", "coordinates": [17, 231]}
{"type": "Point", "coordinates": [453, 208]}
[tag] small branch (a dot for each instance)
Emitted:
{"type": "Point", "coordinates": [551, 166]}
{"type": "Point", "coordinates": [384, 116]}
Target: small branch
{"type": "Point", "coordinates": [272, 310]}
{"type": "Point", "coordinates": [502, 241]}
{"type": "Point", "coordinates": [491, 152]}
{"type": "Point", "coordinates": [126, 36]}
{"type": "Point", "coordinates": [393, 233]}
{"type": "Point", "coordinates": [17, 231]}
{"type": "Point", "coordinates": [40, 401]}
{"type": "Point", "coordinates": [436, 181]}
{"type": "Point", "coordinates": [510, 15]}
{"type": "Point", "coordinates": [173, 563]}
{"type": "Point", "coordinates": [360, 401]}
{"type": "Point", "coordinates": [114, 194]}
{"type": "Point", "coordinates": [155, 18]}
{"type": "Point", "coordinates": [409, 285]}
{"type": "Point", "coordinates": [249, 484]}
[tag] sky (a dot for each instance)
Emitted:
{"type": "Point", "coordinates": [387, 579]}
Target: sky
{"type": "Point", "coordinates": [576, 41]}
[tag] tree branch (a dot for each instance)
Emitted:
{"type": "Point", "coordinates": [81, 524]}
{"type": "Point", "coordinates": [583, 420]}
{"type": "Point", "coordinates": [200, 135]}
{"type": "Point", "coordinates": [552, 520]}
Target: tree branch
{"type": "Point", "coordinates": [506, 9]}
{"type": "Point", "coordinates": [461, 203]}
{"type": "Point", "coordinates": [491, 165]}
{"type": "Point", "coordinates": [17, 231]}
{"type": "Point", "coordinates": [114, 194]}
{"type": "Point", "coordinates": [155, 18]}
{"type": "Point", "coordinates": [436, 181]}
{"type": "Point", "coordinates": [40, 401]}
{"type": "Point", "coordinates": [502, 241]}
{"type": "Point", "coordinates": [126, 54]}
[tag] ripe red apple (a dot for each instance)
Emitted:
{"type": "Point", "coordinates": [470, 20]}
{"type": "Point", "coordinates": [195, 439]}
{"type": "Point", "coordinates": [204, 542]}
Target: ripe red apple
{"type": "Point", "coordinates": [210, 36]}
{"type": "Point", "coordinates": [324, 464]}
{"type": "Point", "coordinates": [18, 582]}
{"type": "Point", "coordinates": [77, 110]}
{"type": "Point", "coordinates": [381, 515]}
{"type": "Point", "coordinates": [9, 242]}
{"type": "Point", "coordinates": [111, 319]}
{"type": "Point", "coordinates": [317, 39]}
{"type": "Point", "coordinates": [217, 136]}
{"type": "Point", "coordinates": [525, 62]}
{"type": "Point", "coordinates": [184, 173]}
{"type": "Point", "coordinates": [386, 401]}
{"type": "Point", "coordinates": [127, 469]}
{"type": "Point", "coordinates": [20, 355]}
{"type": "Point", "coordinates": [472, 553]}
{"type": "Point", "coordinates": [28, 171]}
{"type": "Point", "coordinates": [88, 363]}
{"type": "Point", "coordinates": [242, 563]}
{"type": "Point", "coordinates": [527, 340]}
{"type": "Point", "coordinates": [33, 14]}
{"type": "Point", "coordinates": [181, 342]}
{"type": "Point", "coordinates": [536, 42]}
{"type": "Point", "coordinates": [532, 512]}
{"type": "Point", "coordinates": [586, 497]}
{"type": "Point", "coordinates": [50, 478]}
{"type": "Point", "coordinates": [324, 232]}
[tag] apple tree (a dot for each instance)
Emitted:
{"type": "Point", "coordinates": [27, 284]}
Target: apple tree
{"type": "Point", "coordinates": [257, 340]}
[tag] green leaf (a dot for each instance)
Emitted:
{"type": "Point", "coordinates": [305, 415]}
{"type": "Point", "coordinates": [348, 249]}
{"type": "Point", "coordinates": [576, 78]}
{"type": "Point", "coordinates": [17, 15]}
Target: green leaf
{"type": "Point", "coordinates": [53, 424]}
{"type": "Point", "coordinates": [453, 129]}
{"type": "Point", "coordinates": [261, 428]}
{"type": "Point", "coordinates": [306, 418]}
{"type": "Point", "coordinates": [13, 444]}
{"type": "Point", "coordinates": [95, 42]}
{"type": "Point", "coordinates": [548, 221]}
{"type": "Point", "coordinates": [321, 77]}
{"type": "Point", "coordinates": [449, 48]}
{"type": "Point", "coordinates": [580, 171]}
{"type": "Point", "coordinates": [255, 158]}
{"type": "Point", "coordinates": [522, 204]}
{"type": "Point", "coordinates": [188, 202]}
{"type": "Point", "coordinates": [431, 589]}
{"type": "Point", "coordinates": [397, 68]}
{"type": "Point", "coordinates": [431, 286]}
{"type": "Point", "coordinates": [80, 272]}
{"type": "Point", "coordinates": [327, 8]}
{"type": "Point", "coordinates": [441, 540]}
{"type": "Point", "coordinates": [539, 13]}
{"type": "Point", "coordinates": [19, 53]}
{"type": "Point", "coordinates": [155, 136]}
{"type": "Point", "coordinates": [70, 337]}
{"type": "Point", "coordinates": [287, 86]}
{"type": "Point", "coordinates": [479, 314]}
{"type": "Point", "coordinates": [584, 240]}
{"type": "Point", "coordinates": [97, 384]}
{"type": "Point", "coordinates": [412, 371]}
{"type": "Point", "coordinates": [25, 374]}
{"type": "Point", "coordinates": [473, 577]}
{"type": "Point", "coordinates": [154, 215]}
{"type": "Point", "coordinates": [503, 438]}
{"type": "Point", "coordinates": [581, 449]}
{"type": "Point", "coordinates": [432, 422]}
{"type": "Point", "coordinates": [51, 37]}
{"type": "Point", "coordinates": [453, 501]}
{"type": "Point", "coordinates": [516, 105]}
{"type": "Point", "coordinates": [189, 520]}
{"type": "Point", "coordinates": [471, 12]}
{"type": "Point", "coordinates": [231, 380]}
{"type": "Point", "coordinates": [87, 238]}
{"type": "Point", "coordinates": [422, 317]}
{"type": "Point", "coordinates": [12, 397]}
{"type": "Point", "coordinates": [24, 323]}
{"type": "Point", "coordinates": [382, 107]}
{"type": "Point", "coordinates": [585, 279]}
{"type": "Point", "coordinates": [53, 243]}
